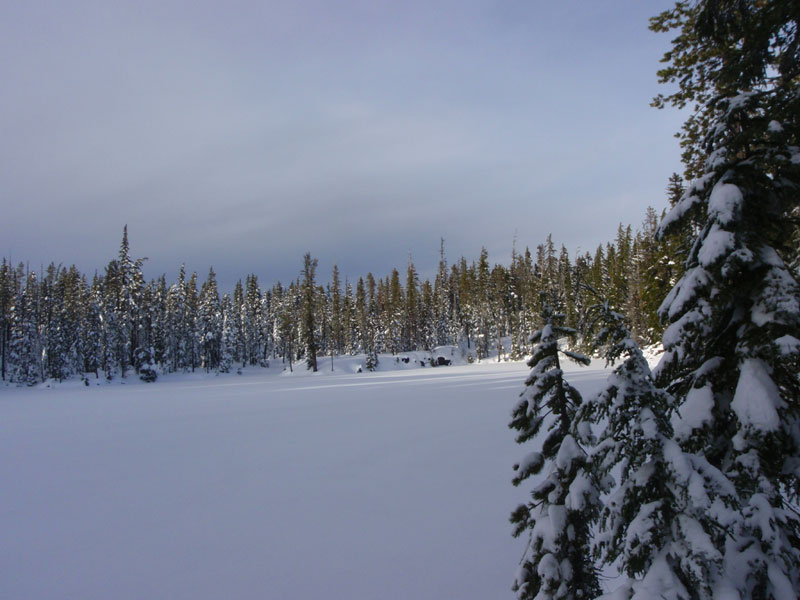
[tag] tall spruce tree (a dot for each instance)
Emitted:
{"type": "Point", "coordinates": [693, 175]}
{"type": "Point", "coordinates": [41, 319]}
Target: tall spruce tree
{"type": "Point", "coordinates": [209, 323]}
{"type": "Point", "coordinates": [337, 331]}
{"type": "Point", "coordinates": [228, 340]}
{"type": "Point", "coordinates": [7, 291]}
{"type": "Point", "coordinates": [26, 343]}
{"type": "Point", "coordinates": [442, 308]}
{"type": "Point", "coordinates": [309, 327]}
{"type": "Point", "coordinates": [732, 348]}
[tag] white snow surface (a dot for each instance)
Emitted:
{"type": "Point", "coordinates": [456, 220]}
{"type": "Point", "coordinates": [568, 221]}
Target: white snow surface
{"type": "Point", "coordinates": [757, 399]}
{"type": "Point", "coordinates": [774, 126]}
{"type": "Point", "coordinates": [694, 413]}
{"type": "Point", "coordinates": [788, 344]}
{"type": "Point", "coordinates": [372, 485]}
{"type": "Point", "coordinates": [740, 100]}
{"type": "Point", "coordinates": [725, 203]}
{"type": "Point", "coordinates": [717, 244]}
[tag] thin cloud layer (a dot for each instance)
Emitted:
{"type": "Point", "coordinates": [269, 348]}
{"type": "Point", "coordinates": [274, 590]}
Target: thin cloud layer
{"type": "Point", "coordinates": [247, 134]}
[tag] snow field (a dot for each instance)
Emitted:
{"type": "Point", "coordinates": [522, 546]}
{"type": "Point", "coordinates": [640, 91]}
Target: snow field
{"type": "Point", "coordinates": [376, 485]}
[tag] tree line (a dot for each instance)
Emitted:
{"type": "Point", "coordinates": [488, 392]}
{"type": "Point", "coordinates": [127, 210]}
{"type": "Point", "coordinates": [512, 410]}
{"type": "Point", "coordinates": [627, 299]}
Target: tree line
{"type": "Point", "coordinates": [57, 323]}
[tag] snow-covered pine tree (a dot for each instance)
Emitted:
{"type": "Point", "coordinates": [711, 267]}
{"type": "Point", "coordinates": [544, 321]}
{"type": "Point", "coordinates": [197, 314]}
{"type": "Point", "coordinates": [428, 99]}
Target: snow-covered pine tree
{"type": "Point", "coordinates": [73, 289]}
{"type": "Point", "coordinates": [482, 306]}
{"type": "Point", "coordinates": [268, 328]}
{"type": "Point", "coordinates": [732, 349]}
{"type": "Point", "coordinates": [93, 329]}
{"type": "Point", "coordinates": [148, 371]}
{"type": "Point", "coordinates": [228, 341]}
{"type": "Point", "coordinates": [410, 309]}
{"type": "Point", "coordinates": [57, 335]}
{"type": "Point", "coordinates": [427, 319]}
{"type": "Point", "coordinates": [237, 317]}
{"type": "Point", "coordinates": [793, 256]}
{"type": "Point", "coordinates": [287, 323]}
{"type": "Point", "coordinates": [556, 563]}
{"type": "Point", "coordinates": [192, 337]}
{"type": "Point", "coordinates": [25, 343]}
{"type": "Point", "coordinates": [393, 313]}
{"type": "Point", "coordinates": [176, 323]}
{"type": "Point", "coordinates": [349, 329]}
{"type": "Point", "coordinates": [119, 281]}
{"type": "Point", "coordinates": [369, 325]}
{"type": "Point", "coordinates": [8, 285]}
{"type": "Point", "coordinates": [336, 344]}
{"type": "Point", "coordinates": [308, 334]}
{"type": "Point", "coordinates": [209, 323]}
{"type": "Point", "coordinates": [361, 317]}
{"type": "Point", "coordinates": [441, 294]}
{"type": "Point", "coordinates": [662, 521]}
{"type": "Point", "coordinates": [157, 317]}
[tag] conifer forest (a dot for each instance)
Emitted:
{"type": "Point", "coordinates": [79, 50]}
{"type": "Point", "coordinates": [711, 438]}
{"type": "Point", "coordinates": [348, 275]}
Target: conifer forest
{"type": "Point", "coordinates": [58, 323]}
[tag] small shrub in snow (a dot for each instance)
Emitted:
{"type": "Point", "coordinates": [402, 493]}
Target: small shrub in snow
{"type": "Point", "coordinates": [148, 372]}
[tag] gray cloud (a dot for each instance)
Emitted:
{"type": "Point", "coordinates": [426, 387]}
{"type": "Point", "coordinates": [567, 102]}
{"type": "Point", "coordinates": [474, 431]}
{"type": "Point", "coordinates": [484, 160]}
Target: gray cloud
{"type": "Point", "coordinates": [242, 135]}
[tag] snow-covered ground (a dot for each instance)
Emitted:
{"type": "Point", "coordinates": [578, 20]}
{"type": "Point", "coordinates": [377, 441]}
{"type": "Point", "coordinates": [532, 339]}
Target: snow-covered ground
{"type": "Point", "coordinates": [392, 484]}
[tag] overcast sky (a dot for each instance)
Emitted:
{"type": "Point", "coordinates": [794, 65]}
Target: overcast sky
{"type": "Point", "coordinates": [242, 134]}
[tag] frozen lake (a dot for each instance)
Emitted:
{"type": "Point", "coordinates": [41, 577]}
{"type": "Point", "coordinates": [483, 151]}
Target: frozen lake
{"type": "Point", "coordinates": [376, 485]}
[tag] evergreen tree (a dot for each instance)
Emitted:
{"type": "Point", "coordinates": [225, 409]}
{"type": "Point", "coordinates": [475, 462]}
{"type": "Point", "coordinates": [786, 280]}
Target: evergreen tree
{"type": "Point", "coordinates": [25, 343]}
{"type": "Point", "coordinates": [159, 321]}
{"type": "Point", "coordinates": [442, 307]}
{"type": "Point", "coordinates": [427, 318]}
{"type": "Point", "coordinates": [71, 289]}
{"type": "Point", "coordinates": [145, 358]}
{"type": "Point", "coordinates": [374, 327]}
{"type": "Point", "coordinates": [287, 321]}
{"type": "Point", "coordinates": [660, 523]}
{"type": "Point", "coordinates": [7, 292]}
{"type": "Point", "coordinates": [228, 340]}
{"type": "Point", "coordinates": [192, 338]}
{"type": "Point", "coordinates": [522, 316]}
{"type": "Point", "coordinates": [251, 321]}
{"type": "Point", "coordinates": [323, 320]}
{"type": "Point", "coordinates": [652, 284]}
{"type": "Point", "coordinates": [55, 325]}
{"type": "Point", "coordinates": [371, 336]}
{"type": "Point", "coordinates": [209, 323]}
{"type": "Point", "coordinates": [92, 330]}
{"type": "Point", "coordinates": [481, 304]}
{"type": "Point", "coordinates": [240, 349]}
{"type": "Point", "coordinates": [362, 316]}
{"type": "Point", "coordinates": [349, 329]}
{"type": "Point", "coordinates": [565, 287]}
{"type": "Point", "coordinates": [557, 562]}
{"type": "Point", "coordinates": [620, 267]}
{"type": "Point", "coordinates": [267, 328]}
{"type": "Point", "coordinates": [500, 307]}
{"type": "Point", "coordinates": [176, 320]}
{"type": "Point", "coordinates": [125, 283]}
{"type": "Point", "coordinates": [337, 321]}
{"type": "Point", "coordinates": [309, 328]}
{"type": "Point", "coordinates": [411, 310]}
{"type": "Point", "coordinates": [731, 351]}
{"type": "Point", "coordinates": [663, 259]}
